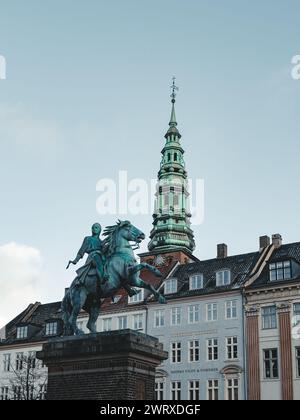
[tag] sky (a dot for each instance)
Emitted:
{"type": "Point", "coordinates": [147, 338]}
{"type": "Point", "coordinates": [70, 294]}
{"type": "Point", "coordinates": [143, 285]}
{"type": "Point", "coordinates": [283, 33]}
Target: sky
{"type": "Point", "coordinates": [87, 94]}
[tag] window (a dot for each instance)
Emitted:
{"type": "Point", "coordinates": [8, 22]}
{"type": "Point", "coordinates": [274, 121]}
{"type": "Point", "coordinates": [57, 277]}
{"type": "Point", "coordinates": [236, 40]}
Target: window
{"type": "Point", "coordinates": [211, 312]}
{"type": "Point", "coordinates": [122, 322]}
{"type": "Point", "coordinates": [232, 389]}
{"type": "Point", "coordinates": [42, 392]}
{"type": "Point", "coordinates": [22, 332]}
{"type": "Point", "coordinates": [30, 392]}
{"type": "Point", "coordinates": [169, 157]}
{"type": "Point", "coordinates": [166, 200]}
{"type": "Point", "coordinates": [17, 392]}
{"type": "Point", "coordinates": [176, 352]}
{"type": "Point", "coordinates": [296, 313]}
{"type": "Point", "coordinates": [159, 318]}
{"type": "Point", "coordinates": [116, 299]}
{"type": "Point", "coordinates": [194, 390]}
{"type": "Point", "coordinates": [212, 349]}
{"type": "Point", "coordinates": [176, 200]}
{"type": "Point", "coordinates": [138, 322]}
{"type": "Point", "coordinates": [175, 316]}
{"type": "Point", "coordinates": [19, 361]}
{"type": "Point", "coordinates": [212, 389]}
{"type": "Point", "coordinates": [271, 364]}
{"type": "Point", "coordinates": [194, 351]}
{"type": "Point", "coordinates": [231, 348]}
{"type": "Point", "coordinates": [107, 323]}
{"type": "Point", "coordinates": [175, 157]}
{"type": "Point", "coordinates": [32, 359]}
{"type": "Point", "coordinates": [231, 309]}
{"type": "Point", "coordinates": [176, 391]}
{"type": "Point", "coordinates": [223, 278]}
{"type": "Point", "coordinates": [160, 389]}
{"type": "Point", "coordinates": [51, 328]}
{"type": "Point", "coordinates": [194, 314]}
{"type": "Point", "coordinates": [269, 320]}
{"type": "Point", "coordinates": [298, 361]}
{"type": "Point", "coordinates": [280, 270]}
{"type": "Point", "coordinates": [4, 393]}
{"type": "Point", "coordinates": [6, 362]}
{"type": "Point", "coordinates": [136, 298]}
{"type": "Point", "coordinates": [196, 282]}
{"type": "Point", "coordinates": [170, 286]}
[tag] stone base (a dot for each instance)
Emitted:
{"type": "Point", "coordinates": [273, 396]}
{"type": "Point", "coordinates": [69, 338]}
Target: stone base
{"type": "Point", "coordinates": [115, 365]}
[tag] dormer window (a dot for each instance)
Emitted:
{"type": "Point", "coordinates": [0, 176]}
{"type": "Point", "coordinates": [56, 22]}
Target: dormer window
{"type": "Point", "coordinates": [280, 270]}
{"type": "Point", "coordinates": [137, 298]}
{"type": "Point", "coordinates": [170, 286]}
{"type": "Point", "coordinates": [51, 328]}
{"type": "Point", "coordinates": [22, 332]}
{"type": "Point", "coordinates": [116, 299]}
{"type": "Point", "coordinates": [223, 278]}
{"type": "Point", "coordinates": [196, 282]}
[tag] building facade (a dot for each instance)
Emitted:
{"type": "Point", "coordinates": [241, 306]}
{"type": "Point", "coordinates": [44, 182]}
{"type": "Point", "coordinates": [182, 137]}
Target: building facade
{"type": "Point", "coordinates": [202, 329]}
{"type": "Point", "coordinates": [231, 325]}
{"type": "Point", "coordinates": [272, 317]}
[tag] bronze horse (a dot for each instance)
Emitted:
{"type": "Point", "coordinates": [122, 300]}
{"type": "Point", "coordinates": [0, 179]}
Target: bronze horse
{"type": "Point", "coordinates": [122, 270]}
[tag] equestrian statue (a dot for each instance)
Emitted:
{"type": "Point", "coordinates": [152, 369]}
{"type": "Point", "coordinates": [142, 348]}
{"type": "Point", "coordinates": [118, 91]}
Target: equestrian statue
{"type": "Point", "coordinates": [110, 266]}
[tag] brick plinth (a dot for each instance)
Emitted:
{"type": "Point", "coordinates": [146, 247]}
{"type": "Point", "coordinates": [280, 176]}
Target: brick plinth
{"type": "Point", "coordinates": [115, 365]}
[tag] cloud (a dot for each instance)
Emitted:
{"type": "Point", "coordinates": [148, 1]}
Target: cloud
{"type": "Point", "coordinates": [21, 276]}
{"type": "Point", "coordinates": [23, 128]}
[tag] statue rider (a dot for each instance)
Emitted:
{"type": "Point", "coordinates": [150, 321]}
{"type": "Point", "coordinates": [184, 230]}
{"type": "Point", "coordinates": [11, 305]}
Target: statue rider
{"type": "Point", "coordinates": [93, 246]}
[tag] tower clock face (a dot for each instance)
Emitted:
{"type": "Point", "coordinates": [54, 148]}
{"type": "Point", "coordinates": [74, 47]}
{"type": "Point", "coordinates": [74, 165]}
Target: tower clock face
{"type": "Point", "coordinates": [159, 260]}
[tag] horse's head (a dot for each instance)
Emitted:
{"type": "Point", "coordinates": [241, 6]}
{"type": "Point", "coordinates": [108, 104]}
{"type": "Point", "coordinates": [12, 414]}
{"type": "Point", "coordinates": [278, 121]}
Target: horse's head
{"type": "Point", "coordinates": [130, 232]}
{"type": "Point", "coordinates": [122, 230]}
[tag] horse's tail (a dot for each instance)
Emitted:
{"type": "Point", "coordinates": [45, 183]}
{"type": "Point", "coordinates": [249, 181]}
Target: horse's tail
{"type": "Point", "coordinates": [66, 307]}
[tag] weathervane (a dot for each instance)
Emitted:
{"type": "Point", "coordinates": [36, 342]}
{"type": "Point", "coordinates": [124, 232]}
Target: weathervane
{"type": "Point", "coordinates": [174, 89]}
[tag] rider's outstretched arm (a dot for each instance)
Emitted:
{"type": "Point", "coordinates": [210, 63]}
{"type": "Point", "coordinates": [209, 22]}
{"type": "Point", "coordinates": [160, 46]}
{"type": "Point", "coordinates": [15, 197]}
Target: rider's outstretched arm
{"type": "Point", "coordinates": [80, 253]}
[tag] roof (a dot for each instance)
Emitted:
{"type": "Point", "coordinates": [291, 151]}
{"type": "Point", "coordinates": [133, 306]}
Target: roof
{"type": "Point", "coordinates": [285, 252]}
{"type": "Point", "coordinates": [36, 315]}
{"type": "Point", "coordinates": [240, 267]}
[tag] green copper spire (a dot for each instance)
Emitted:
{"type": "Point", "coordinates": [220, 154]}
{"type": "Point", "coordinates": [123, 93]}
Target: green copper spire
{"type": "Point", "coordinates": [171, 218]}
{"type": "Point", "coordinates": [174, 88]}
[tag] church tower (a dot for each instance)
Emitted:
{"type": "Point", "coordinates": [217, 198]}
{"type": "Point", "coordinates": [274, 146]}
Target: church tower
{"type": "Point", "coordinates": [171, 232]}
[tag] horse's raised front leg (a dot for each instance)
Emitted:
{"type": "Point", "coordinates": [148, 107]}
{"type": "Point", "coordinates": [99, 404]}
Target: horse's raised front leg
{"type": "Point", "coordinates": [138, 267]}
{"type": "Point", "coordinates": [141, 283]}
{"type": "Point", "coordinates": [78, 300]}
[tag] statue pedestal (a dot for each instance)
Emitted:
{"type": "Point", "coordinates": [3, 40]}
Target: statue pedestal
{"type": "Point", "coordinates": [114, 365]}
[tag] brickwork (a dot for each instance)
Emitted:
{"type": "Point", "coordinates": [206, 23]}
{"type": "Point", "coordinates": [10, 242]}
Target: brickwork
{"type": "Point", "coordinates": [117, 365]}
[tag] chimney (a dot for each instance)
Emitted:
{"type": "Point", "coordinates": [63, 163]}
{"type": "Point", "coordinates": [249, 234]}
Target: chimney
{"type": "Point", "coordinates": [264, 241]}
{"type": "Point", "coordinates": [277, 240]}
{"type": "Point", "coordinates": [222, 251]}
